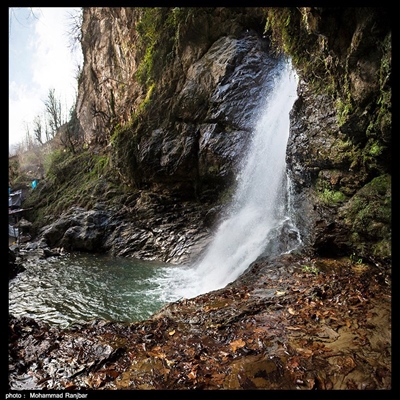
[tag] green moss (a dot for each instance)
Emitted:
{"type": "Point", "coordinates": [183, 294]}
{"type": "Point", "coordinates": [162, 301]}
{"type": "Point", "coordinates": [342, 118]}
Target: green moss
{"type": "Point", "coordinates": [332, 196]}
{"type": "Point", "coordinates": [307, 269]}
{"type": "Point", "coordinates": [291, 34]}
{"type": "Point", "coordinates": [146, 101]}
{"type": "Point", "coordinates": [344, 109]}
{"type": "Point", "coordinates": [368, 215]}
{"type": "Point", "coordinates": [375, 149]}
{"type": "Point", "coordinates": [72, 180]}
{"type": "Point", "coordinates": [157, 35]}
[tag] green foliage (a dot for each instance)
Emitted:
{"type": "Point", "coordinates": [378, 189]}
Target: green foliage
{"type": "Point", "coordinates": [327, 185]}
{"type": "Point", "coordinates": [146, 101]}
{"type": "Point", "coordinates": [159, 30]}
{"type": "Point", "coordinates": [79, 180]}
{"type": "Point", "coordinates": [344, 109]}
{"type": "Point", "coordinates": [155, 42]}
{"type": "Point", "coordinates": [52, 161]}
{"type": "Point", "coordinates": [310, 269]}
{"type": "Point", "coordinates": [355, 259]}
{"type": "Point", "coordinates": [375, 149]}
{"type": "Point", "coordinates": [290, 33]}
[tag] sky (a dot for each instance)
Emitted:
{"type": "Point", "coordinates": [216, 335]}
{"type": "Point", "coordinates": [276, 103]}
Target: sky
{"type": "Point", "coordinates": [41, 59]}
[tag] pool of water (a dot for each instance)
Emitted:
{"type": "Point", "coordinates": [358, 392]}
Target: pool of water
{"type": "Point", "coordinates": [63, 290]}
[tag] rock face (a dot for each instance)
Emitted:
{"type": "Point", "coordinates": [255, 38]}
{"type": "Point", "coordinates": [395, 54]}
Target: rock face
{"type": "Point", "coordinates": [187, 129]}
{"type": "Point", "coordinates": [339, 148]}
{"type": "Point", "coordinates": [169, 98]}
{"type": "Point", "coordinates": [178, 149]}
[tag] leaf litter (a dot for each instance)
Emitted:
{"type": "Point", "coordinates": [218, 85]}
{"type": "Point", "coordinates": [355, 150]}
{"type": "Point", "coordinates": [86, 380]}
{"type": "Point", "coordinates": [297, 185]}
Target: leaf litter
{"type": "Point", "coordinates": [279, 326]}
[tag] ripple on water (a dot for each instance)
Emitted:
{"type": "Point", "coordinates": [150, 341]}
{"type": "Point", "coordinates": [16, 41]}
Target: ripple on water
{"type": "Point", "coordinates": [77, 287]}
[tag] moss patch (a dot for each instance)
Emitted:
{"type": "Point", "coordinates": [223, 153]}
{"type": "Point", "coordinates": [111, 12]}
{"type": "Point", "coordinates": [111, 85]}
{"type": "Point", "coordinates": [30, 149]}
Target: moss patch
{"type": "Point", "coordinates": [79, 180]}
{"type": "Point", "coordinates": [368, 215]}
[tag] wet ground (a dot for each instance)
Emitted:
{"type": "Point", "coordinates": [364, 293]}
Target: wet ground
{"type": "Point", "coordinates": [294, 323]}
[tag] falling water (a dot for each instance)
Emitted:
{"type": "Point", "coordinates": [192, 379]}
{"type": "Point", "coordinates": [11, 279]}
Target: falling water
{"type": "Point", "coordinates": [259, 210]}
{"type": "Point", "coordinates": [257, 223]}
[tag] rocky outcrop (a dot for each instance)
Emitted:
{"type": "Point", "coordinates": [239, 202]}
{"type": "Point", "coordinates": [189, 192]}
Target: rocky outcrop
{"type": "Point", "coordinates": [185, 126]}
{"type": "Point", "coordinates": [188, 125]}
{"type": "Point", "coordinates": [178, 149]}
{"type": "Point", "coordinates": [168, 98]}
{"type": "Point", "coordinates": [172, 233]}
{"type": "Point", "coordinates": [339, 146]}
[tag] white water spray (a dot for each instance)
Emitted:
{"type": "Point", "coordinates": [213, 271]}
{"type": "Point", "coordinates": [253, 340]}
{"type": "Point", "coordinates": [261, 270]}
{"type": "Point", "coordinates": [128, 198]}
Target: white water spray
{"type": "Point", "coordinates": [259, 205]}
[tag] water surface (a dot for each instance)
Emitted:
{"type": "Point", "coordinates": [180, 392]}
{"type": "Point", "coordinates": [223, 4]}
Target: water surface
{"type": "Point", "coordinates": [79, 286]}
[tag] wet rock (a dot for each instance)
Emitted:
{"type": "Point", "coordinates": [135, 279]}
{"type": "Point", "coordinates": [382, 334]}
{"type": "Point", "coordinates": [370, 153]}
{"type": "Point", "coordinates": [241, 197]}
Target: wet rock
{"type": "Point", "coordinates": [14, 267]}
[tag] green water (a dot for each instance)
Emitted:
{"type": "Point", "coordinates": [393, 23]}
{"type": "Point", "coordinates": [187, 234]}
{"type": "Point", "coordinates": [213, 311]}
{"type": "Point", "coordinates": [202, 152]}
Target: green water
{"type": "Point", "coordinates": [63, 290]}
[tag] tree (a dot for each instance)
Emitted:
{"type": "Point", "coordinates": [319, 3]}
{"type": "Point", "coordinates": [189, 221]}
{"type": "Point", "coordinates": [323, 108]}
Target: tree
{"type": "Point", "coordinates": [53, 108]}
{"type": "Point", "coordinates": [28, 138]}
{"type": "Point", "coordinates": [37, 129]}
{"type": "Point", "coordinates": [75, 28]}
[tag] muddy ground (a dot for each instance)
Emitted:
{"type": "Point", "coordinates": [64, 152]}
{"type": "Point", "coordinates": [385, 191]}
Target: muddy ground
{"type": "Point", "coordinates": [294, 323]}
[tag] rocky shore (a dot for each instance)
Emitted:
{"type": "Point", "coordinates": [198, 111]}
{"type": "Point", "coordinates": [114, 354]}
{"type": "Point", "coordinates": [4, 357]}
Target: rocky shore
{"type": "Point", "coordinates": [289, 323]}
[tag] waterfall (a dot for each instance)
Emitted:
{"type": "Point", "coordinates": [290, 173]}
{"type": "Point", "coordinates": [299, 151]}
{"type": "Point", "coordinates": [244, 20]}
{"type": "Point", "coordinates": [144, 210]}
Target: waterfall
{"type": "Point", "coordinates": [259, 211]}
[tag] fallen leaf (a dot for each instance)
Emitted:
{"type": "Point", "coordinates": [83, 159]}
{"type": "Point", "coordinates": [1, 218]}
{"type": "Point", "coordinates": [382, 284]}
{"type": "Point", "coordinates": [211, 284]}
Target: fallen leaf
{"type": "Point", "coordinates": [311, 383]}
{"type": "Point", "coordinates": [156, 354]}
{"type": "Point", "coordinates": [291, 311]}
{"type": "Point", "coordinates": [218, 379]}
{"type": "Point", "coordinates": [304, 352]}
{"type": "Point", "coordinates": [280, 293]}
{"type": "Point", "coordinates": [170, 333]}
{"type": "Point", "coordinates": [192, 374]}
{"type": "Point", "coordinates": [237, 344]}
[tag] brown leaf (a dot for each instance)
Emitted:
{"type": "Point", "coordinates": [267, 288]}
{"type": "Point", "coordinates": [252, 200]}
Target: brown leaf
{"type": "Point", "coordinates": [218, 379]}
{"type": "Point", "coordinates": [291, 311]}
{"type": "Point", "coordinates": [192, 374]}
{"type": "Point", "coordinates": [304, 352]}
{"type": "Point", "coordinates": [311, 383]}
{"type": "Point", "coordinates": [237, 344]}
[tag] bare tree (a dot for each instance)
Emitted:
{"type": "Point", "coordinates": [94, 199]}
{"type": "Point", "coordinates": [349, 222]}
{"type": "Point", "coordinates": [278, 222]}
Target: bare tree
{"type": "Point", "coordinates": [12, 16]}
{"type": "Point", "coordinates": [75, 19]}
{"type": "Point", "coordinates": [28, 138]}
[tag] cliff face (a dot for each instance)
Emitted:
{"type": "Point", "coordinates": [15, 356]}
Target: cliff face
{"type": "Point", "coordinates": [170, 96]}
{"type": "Point", "coordinates": [339, 151]}
{"type": "Point", "coordinates": [176, 109]}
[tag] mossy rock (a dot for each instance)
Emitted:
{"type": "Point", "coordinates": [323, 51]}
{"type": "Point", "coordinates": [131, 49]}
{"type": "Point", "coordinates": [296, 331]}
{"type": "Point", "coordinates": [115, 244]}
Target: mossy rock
{"type": "Point", "coordinates": [368, 215]}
